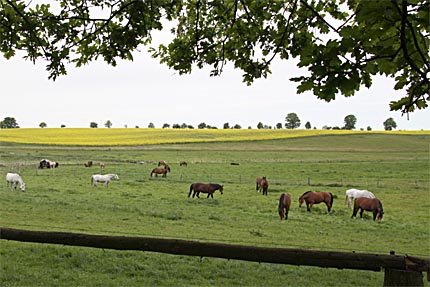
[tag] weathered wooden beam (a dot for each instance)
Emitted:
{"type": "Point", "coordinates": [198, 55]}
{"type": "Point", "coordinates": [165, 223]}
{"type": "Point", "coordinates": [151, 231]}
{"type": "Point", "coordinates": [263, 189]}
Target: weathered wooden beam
{"type": "Point", "coordinates": [332, 259]}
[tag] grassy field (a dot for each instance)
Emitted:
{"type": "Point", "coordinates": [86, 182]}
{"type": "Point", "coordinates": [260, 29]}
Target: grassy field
{"type": "Point", "coordinates": [394, 167]}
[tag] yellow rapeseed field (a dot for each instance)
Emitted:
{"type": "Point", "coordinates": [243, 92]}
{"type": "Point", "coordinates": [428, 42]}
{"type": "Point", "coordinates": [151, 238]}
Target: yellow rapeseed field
{"type": "Point", "coordinates": [146, 136]}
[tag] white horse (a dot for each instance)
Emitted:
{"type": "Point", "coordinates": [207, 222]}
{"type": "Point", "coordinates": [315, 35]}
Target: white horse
{"type": "Point", "coordinates": [357, 193]}
{"type": "Point", "coordinates": [12, 180]}
{"type": "Point", "coordinates": [106, 178]}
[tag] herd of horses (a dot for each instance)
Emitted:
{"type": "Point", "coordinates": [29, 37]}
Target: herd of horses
{"type": "Point", "coordinates": [364, 200]}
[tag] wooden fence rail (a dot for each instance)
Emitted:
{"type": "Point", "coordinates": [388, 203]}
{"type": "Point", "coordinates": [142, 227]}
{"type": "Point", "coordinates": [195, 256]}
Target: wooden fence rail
{"type": "Point", "coordinates": [400, 267]}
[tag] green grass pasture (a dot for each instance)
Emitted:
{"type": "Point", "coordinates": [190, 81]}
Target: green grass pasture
{"type": "Point", "coordinates": [394, 167]}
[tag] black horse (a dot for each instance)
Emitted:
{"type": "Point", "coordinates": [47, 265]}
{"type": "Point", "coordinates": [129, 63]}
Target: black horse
{"type": "Point", "coordinates": [208, 188]}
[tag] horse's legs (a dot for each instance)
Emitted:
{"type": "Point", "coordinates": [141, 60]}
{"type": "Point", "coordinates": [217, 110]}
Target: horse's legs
{"type": "Point", "coordinates": [361, 213]}
{"type": "Point", "coordinates": [308, 206]}
{"type": "Point", "coordinates": [198, 194]}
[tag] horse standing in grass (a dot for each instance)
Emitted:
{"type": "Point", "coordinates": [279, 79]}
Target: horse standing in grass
{"type": "Point", "coordinates": [208, 188]}
{"type": "Point", "coordinates": [88, 164]}
{"type": "Point", "coordinates": [106, 178]}
{"type": "Point", "coordinates": [183, 163]}
{"type": "Point", "coordinates": [264, 185]}
{"type": "Point", "coordinates": [369, 204]}
{"type": "Point", "coordinates": [159, 170]}
{"type": "Point", "coordinates": [312, 198]}
{"type": "Point", "coordinates": [284, 205]}
{"type": "Point", "coordinates": [351, 194]}
{"type": "Point", "coordinates": [13, 179]}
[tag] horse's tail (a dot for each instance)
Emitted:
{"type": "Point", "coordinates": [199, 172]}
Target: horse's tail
{"type": "Point", "coordinates": [191, 189]}
{"type": "Point", "coordinates": [150, 175]}
{"type": "Point", "coordinates": [331, 200]}
{"type": "Point", "coordinates": [92, 180]}
{"type": "Point", "coordinates": [256, 185]}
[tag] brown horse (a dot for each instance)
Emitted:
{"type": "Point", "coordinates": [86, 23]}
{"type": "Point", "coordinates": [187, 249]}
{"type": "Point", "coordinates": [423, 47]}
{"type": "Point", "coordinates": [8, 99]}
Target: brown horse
{"type": "Point", "coordinates": [369, 204]}
{"type": "Point", "coordinates": [264, 185]}
{"type": "Point", "coordinates": [88, 164]}
{"type": "Point", "coordinates": [208, 188]}
{"type": "Point", "coordinates": [162, 171]}
{"type": "Point", "coordinates": [284, 205]}
{"type": "Point", "coordinates": [183, 163]}
{"type": "Point", "coordinates": [312, 198]}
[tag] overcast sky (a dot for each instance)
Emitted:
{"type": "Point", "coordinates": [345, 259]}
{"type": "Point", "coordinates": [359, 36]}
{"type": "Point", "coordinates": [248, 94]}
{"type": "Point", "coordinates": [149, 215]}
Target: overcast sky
{"type": "Point", "coordinates": [143, 91]}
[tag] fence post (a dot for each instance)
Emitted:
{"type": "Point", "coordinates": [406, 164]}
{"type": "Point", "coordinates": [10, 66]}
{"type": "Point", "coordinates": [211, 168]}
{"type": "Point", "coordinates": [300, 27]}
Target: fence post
{"type": "Point", "coordinates": [395, 277]}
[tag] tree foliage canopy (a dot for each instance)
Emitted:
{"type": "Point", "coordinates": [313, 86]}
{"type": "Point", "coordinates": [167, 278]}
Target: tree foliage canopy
{"type": "Point", "coordinates": [342, 43]}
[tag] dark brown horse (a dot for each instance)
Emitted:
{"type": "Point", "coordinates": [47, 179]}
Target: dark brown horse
{"type": "Point", "coordinates": [88, 164]}
{"type": "Point", "coordinates": [312, 198]}
{"type": "Point", "coordinates": [284, 205]}
{"type": "Point", "coordinates": [183, 163]}
{"type": "Point", "coordinates": [369, 204]}
{"type": "Point", "coordinates": [208, 188]}
{"type": "Point", "coordinates": [159, 170]}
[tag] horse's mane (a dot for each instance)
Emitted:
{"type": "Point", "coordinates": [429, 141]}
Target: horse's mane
{"type": "Point", "coordinates": [305, 193]}
{"type": "Point", "coordinates": [216, 185]}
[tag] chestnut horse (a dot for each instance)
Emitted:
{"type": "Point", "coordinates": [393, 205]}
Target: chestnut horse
{"type": "Point", "coordinates": [369, 204]}
{"type": "Point", "coordinates": [261, 184]}
{"type": "Point", "coordinates": [162, 171]}
{"type": "Point", "coordinates": [208, 188]}
{"type": "Point", "coordinates": [284, 205]}
{"type": "Point", "coordinates": [312, 198]}
{"type": "Point", "coordinates": [264, 185]}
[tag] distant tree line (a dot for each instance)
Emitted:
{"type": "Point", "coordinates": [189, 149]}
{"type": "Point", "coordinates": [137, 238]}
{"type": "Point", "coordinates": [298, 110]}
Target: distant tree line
{"type": "Point", "coordinates": [292, 121]}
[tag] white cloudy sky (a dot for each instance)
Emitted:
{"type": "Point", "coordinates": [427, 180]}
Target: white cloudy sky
{"type": "Point", "coordinates": [143, 91]}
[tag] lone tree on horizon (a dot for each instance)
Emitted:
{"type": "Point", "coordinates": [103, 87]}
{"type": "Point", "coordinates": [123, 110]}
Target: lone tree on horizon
{"type": "Point", "coordinates": [292, 121]}
{"type": "Point", "coordinates": [343, 45]}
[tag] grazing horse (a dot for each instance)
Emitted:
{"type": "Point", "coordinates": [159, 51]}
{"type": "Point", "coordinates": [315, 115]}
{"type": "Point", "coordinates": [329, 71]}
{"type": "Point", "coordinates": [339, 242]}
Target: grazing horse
{"type": "Point", "coordinates": [88, 164]}
{"type": "Point", "coordinates": [264, 185]}
{"type": "Point", "coordinates": [357, 193]}
{"type": "Point", "coordinates": [13, 179]}
{"type": "Point", "coordinates": [208, 188]}
{"type": "Point", "coordinates": [369, 204]}
{"type": "Point", "coordinates": [284, 205]}
{"type": "Point", "coordinates": [162, 171]}
{"type": "Point", "coordinates": [53, 164]}
{"type": "Point", "coordinates": [102, 164]}
{"type": "Point", "coordinates": [106, 178]}
{"type": "Point", "coordinates": [183, 163]}
{"type": "Point", "coordinates": [312, 198]}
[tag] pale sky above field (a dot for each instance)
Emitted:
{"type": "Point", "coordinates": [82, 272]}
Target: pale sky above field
{"type": "Point", "coordinates": [143, 91]}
